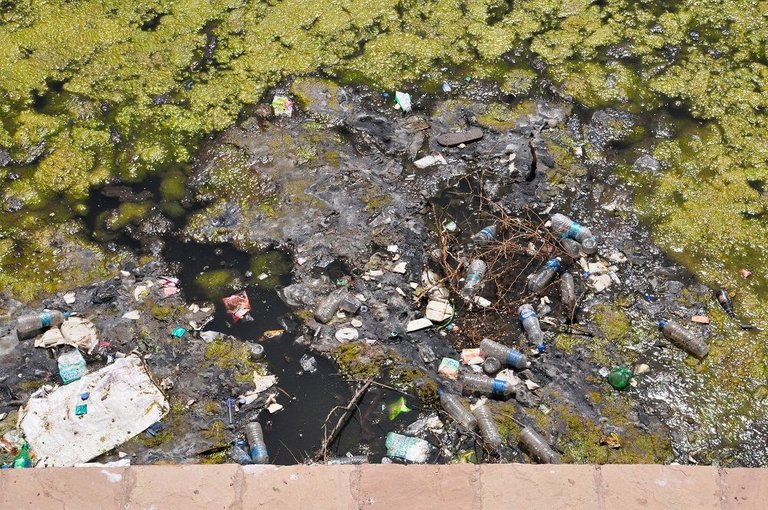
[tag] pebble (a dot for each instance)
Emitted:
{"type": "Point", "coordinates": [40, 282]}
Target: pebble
{"type": "Point", "coordinates": [641, 369]}
{"type": "Point", "coordinates": [69, 298]}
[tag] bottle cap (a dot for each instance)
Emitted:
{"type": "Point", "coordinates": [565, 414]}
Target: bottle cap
{"type": "Point", "coordinates": [662, 323]}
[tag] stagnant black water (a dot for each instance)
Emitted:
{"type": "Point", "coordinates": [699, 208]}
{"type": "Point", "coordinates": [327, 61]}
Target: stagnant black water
{"type": "Point", "coordinates": [297, 432]}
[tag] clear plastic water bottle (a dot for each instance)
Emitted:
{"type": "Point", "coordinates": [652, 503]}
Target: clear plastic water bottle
{"type": "Point", "coordinates": [255, 436]}
{"type": "Point", "coordinates": [537, 447]}
{"type": "Point", "coordinates": [683, 339]}
{"type": "Point", "coordinates": [460, 414]}
{"type": "Point", "coordinates": [544, 276]}
{"type": "Point", "coordinates": [589, 245]}
{"type": "Point", "coordinates": [31, 324]}
{"type": "Point", "coordinates": [508, 355]}
{"type": "Point", "coordinates": [326, 310]}
{"type": "Point", "coordinates": [238, 454]}
{"type": "Point", "coordinates": [488, 386]}
{"type": "Point", "coordinates": [571, 246]}
{"type": "Point", "coordinates": [568, 292]}
{"type": "Point", "coordinates": [531, 326]}
{"type": "Point", "coordinates": [563, 226]}
{"type": "Point", "coordinates": [487, 426]}
{"type": "Point", "coordinates": [475, 275]}
{"type": "Point", "coordinates": [348, 461]}
{"type": "Point", "coordinates": [486, 235]}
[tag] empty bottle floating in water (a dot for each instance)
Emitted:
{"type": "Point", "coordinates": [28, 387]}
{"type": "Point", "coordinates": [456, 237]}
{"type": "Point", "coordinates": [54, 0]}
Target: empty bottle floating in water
{"type": "Point", "coordinates": [486, 235]}
{"type": "Point", "coordinates": [537, 447]}
{"type": "Point", "coordinates": [255, 436]}
{"type": "Point", "coordinates": [484, 385]}
{"type": "Point", "coordinates": [460, 414]}
{"type": "Point", "coordinates": [531, 326]}
{"type": "Point", "coordinates": [683, 339]}
{"type": "Point", "coordinates": [487, 426]}
{"type": "Point", "coordinates": [508, 355]}
{"type": "Point", "coordinates": [725, 301]}
{"type": "Point", "coordinates": [31, 324]}
{"type": "Point", "coordinates": [475, 274]}
{"type": "Point", "coordinates": [544, 276]}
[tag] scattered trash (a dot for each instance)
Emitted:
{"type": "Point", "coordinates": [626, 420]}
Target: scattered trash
{"type": "Point", "coordinates": [418, 325]}
{"type": "Point", "coordinates": [348, 461]}
{"type": "Point", "coordinates": [484, 236]}
{"type": "Point", "coordinates": [475, 274]}
{"type": "Point", "coordinates": [274, 408]}
{"type": "Point", "coordinates": [454, 139]}
{"type": "Point", "coordinates": [272, 333]}
{"type": "Point", "coordinates": [71, 366]}
{"type": "Point", "coordinates": [511, 357]}
{"type": "Point", "coordinates": [237, 453]}
{"type": "Point", "coordinates": [700, 319]}
{"type": "Point", "coordinates": [30, 325]}
{"type": "Point", "coordinates": [257, 351]}
{"type": "Point", "coordinates": [531, 326]}
{"type": "Point", "coordinates": [446, 87]}
{"type": "Point", "coordinates": [178, 332]}
{"type": "Point", "coordinates": [452, 405]}
{"type": "Point", "coordinates": [448, 369]}
{"type": "Point", "coordinates": [344, 335]}
{"type": "Point", "coordinates": [407, 448]}
{"type": "Point", "coordinates": [450, 226]}
{"type": "Point", "coordinates": [395, 408]}
{"type": "Point", "coordinates": [725, 301]}
{"type": "Point", "coordinates": [403, 100]}
{"type": "Point", "coordinates": [237, 305]}
{"type": "Point", "coordinates": [123, 402]}
{"type": "Point", "coordinates": [210, 336]}
{"type": "Point", "coordinates": [23, 460]}
{"type": "Point", "coordinates": [429, 423]}
{"type": "Point", "coordinates": [438, 311]}
{"type": "Point", "coordinates": [258, 448]}
{"type": "Point", "coordinates": [562, 226]}
{"type": "Point", "coordinates": [282, 106]}
{"type": "Point", "coordinates": [683, 339]}
{"type": "Point", "coordinates": [539, 280]}
{"type": "Point", "coordinates": [170, 285]}
{"type": "Point", "coordinates": [487, 386]}
{"type": "Point", "coordinates": [537, 447]}
{"type": "Point", "coordinates": [604, 371]}
{"type": "Point", "coordinates": [430, 160]}
{"type": "Point", "coordinates": [263, 382]}
{"type": "Point", "coordinates": [308, 363]}
{"type": "Point", "coordinates": [509, 376]}
{"type": "Point", "coordinates": [481, 302]}
{"type": "Point", "coordinates": [620, 377]}
{"type": "Point", "coordinates": [745, 273]}
{"type": "Point", "coordinates": [472, 356]}
{"type": "Point", "coordinates": [464, 457]}
{"type": "Point", "coordinates": [491, 365]}
{"type": "Point", "coordinates": [568, 293]}
{"type": "Point", "coordinates": [133, 315]}
{"type": "Point", "coordinates": [641, 369]}
{"type": "Point", "coordinates": [611, 440]}
{"type": "Point", "coordinates": [488, 429]}
{"type": "Point", "coordinates": [400, 267]}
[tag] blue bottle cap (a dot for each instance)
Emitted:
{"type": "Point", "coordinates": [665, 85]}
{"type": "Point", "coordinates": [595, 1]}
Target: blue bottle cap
{"type": "Point", "coordinates": [662, 323]}
{"type": "Point", "coordinates": [553, 263]}
{"type": "Point", "coordinates": [540, 348]}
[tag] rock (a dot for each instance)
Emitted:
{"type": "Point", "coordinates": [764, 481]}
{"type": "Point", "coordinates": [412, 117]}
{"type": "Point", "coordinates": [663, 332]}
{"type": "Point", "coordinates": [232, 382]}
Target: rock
{"type": "Point", "coordinates": [646, 163]}
{"type": "Point", "coordinates": [454, 139]}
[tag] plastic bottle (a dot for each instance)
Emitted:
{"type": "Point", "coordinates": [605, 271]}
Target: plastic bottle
{"type": "Point", "coordinates": [725, 301]}
{"type": "Point", "coordinates": [29, 325]}
{"type": "Point", "coordinates": [475, 274]}
{"type": "Point", "coordinates": [255, 437]}
{"type": "Point", "coordinates": [620, 377]}
{"type": "Point", "coordinates": [238, 454]}
{"type": "Point", "coordinates": [71, 366]}
{"type": "Point", "coordinates": [346, 461]}
{"type": "Point", "coordinates": [349, 303]}
{"type": "Point", "coordinates": [491, 365]}
{"type": "Point", "coordinates": [537, 447]}
{"type": "Point", "coordinates": [452, 405]}
{"type": "Point", "coordinates": [531, 325]}
{"type": "Point", "coordinates": [486, 235]}
{"type": "Point", "coordinates": [563, 226]}
{"type": "Point", "coordinates": [589, 245]}
{"type": "Point", "coordinates": [328, 307]}
{"type": "Point", "coordinates": [257, 351]}
{"type": "Point", "coordinates": [571, 246]}
{"type": "Point", "coordinates": [683, 339]}
{"type": "Point", "coordinates": [484, 385]}
{"type": "Point", "coordinates": [568, 292]}
{"type": "Point", "coordinates": [23, 460]}
{"type": "Point", "coordinates": [487, 426]}
{"type": "Point", "coordinates": [508, 355]}
{"type": "Point", "coordinates": [541, 279]}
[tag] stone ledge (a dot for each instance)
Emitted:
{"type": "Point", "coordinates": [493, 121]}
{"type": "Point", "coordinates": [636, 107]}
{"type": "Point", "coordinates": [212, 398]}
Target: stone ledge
{"type": "Point", "coordinates": [490, 486]}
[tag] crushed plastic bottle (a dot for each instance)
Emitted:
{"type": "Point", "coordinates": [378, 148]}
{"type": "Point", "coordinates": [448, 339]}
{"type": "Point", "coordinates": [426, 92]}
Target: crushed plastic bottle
{"type": "Point", "coordinates": [486, 235]}
{"type": "Point", "coordinates": [537, 447]}
{"type": "Point", "coordinates": [487, 426]}
{"type": "Point", "coordinates": [620, 377]}
{"type": "Point", "coordinates": [258, 448]}
{"type": "Point", "coordinates": [326, 310]}
{"type": "Point", "coordinates": [511, 357]}
{"type": "Point", "coordinates": [452, 405]}
{"type": "Point", "coordinates": [571, 246]}
{"type": "Point", "coordinates": [475, 274]}
{"type": "Point", "coordinates": [531, 326]}
{"type": "Point", "coordinates": [568, 292]}
{"type": "Point", "coordinates": [238, 454]}
{"type": "Point", "coordinates": [684, 339]}
{"type": "Point", "coordinates": [563, 226]}
{"type": "Point", "coordinates": [539, 280]}
{"type": "Point", "coordinates": [31, 324]}
{"type": "Point", "coordinates": [308, 363]}
{"type": "Point", "coordinates": [23, 460]}
{"type": "Point", "coordinates": [725, 301]}
{"type": "Point", "coordinates": [488, 386]}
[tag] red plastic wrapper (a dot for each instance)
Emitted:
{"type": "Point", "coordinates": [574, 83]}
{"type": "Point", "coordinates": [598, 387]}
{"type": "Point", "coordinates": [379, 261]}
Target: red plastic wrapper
{"type": "Point", "coordinates": [237, 305]}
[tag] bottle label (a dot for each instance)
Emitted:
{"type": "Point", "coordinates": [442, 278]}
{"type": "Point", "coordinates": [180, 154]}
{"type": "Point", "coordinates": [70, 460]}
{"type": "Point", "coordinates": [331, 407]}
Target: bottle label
{"type": "Point", "coordinates": [472, 278]}
{"type": "Point", "coordinates": [527, 314]}
{"type": "Point", "coordinates": [499, 386]}
{"type": "Point", "coordinates": [513, 358]}
{"type": "Point", "coordinates": [553, 263]}
{"type": "Point", "coordinates": [46, 318]}
{"type": "Point", "coordinates": [574, 231]}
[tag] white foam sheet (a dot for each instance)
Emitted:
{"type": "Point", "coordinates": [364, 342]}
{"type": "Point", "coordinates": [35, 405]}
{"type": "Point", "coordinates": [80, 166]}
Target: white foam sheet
{"type": "Point", "coordinates": [123, 402]}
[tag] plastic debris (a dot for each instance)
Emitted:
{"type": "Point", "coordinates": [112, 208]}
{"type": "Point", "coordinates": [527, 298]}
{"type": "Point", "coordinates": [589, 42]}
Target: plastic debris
{"type": "Point", "coordinates": [403, 100]}
{"type": "Point", "coordinates": [263, 382]}
{"type": "Point", "coordinates": [407, 448]}
{"type": "Point", "coordinates": [69, 298]}
{"type": "Point", "coordinates": [346, 335]}
{"type": "Point", "coordinates": [237, 305]}
{"type": "Point", "coordinates": [71, 366]}
{"type": "Point", "coordinates": [123, 402]}
{"type": "Point", "coordinates": [611, 440]}
{"type": "Point", "coordinates": [308, 363]}
{"type": "Point", "coordinates": [272, 333]}
{"type": "Point", "coordinates": [418, 324]}
{"type": "Point", "coordinates": [438, 311]}
{"type": "Point", "coordinates": [430, 160]}
{"type": "Point", "coordinates": [395, 408]}
{"type": "Point", "coordinates": [745, 273]}
{"type": "Point", "coordinates": [282, 106]}
{"type": "Point", "coordinates": [472, 357]}
{"type": "Point", "coordinates": [170, 285]}
{"type": "Point", "coordinates": [133, 315]}
{"type": "Point", "coordinates": [619, 377]}
{"type": "Point", "coordinates": [700, 319]}
{"type": "Point", "coordinates": [23, 460]}
{"type": "Point", "coordinates": [178, 332]}
{"type": "Point", "coordinates": [448, 369]}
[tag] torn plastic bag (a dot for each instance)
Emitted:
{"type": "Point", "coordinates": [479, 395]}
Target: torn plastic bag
{"type": "Point", "coordinates": [237, 305]}
{"type": "Point", "coordinates": [123, 402]}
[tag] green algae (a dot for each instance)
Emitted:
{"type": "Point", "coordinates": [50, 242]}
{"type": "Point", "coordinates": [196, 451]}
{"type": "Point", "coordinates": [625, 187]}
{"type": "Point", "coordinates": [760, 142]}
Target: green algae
{"type": "Point", "coordinates": [359, 361]}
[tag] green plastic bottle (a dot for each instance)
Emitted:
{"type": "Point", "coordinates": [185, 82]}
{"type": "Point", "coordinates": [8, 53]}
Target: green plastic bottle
{"type": "Point", "coordinates": [619, 377]}
{"type": "Point", "coordinates": [23, 460]}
